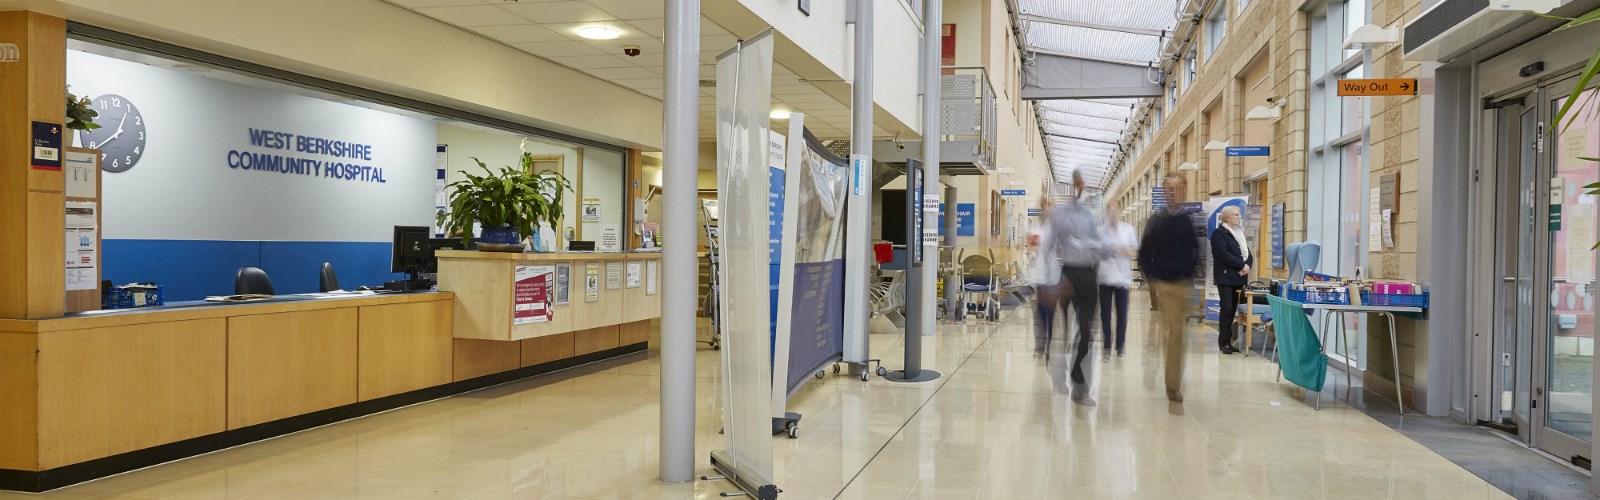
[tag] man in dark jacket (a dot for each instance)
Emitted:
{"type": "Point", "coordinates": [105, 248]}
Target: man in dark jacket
{"type": "Point", "coordinates": [1168, 255]}
{"type": "Point", "coordinates": [1230, 269]}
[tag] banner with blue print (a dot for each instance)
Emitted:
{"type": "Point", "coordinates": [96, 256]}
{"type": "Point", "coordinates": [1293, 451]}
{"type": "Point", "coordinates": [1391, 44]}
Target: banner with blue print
{"type": "Point", "coordinates": [811, 302]}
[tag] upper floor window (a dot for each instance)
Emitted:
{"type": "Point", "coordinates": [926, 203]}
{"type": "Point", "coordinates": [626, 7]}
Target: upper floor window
{"type": "Point", "coordinates": [1189, 69]}
{"type": "Point", "coordinates": [1216, 27]}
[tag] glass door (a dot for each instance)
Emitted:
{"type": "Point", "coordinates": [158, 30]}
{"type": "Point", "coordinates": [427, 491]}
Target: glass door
{"type": "Point", "coordinates": [1569, 260]}
{"type": "Point", "coordinates": [1516, 165]}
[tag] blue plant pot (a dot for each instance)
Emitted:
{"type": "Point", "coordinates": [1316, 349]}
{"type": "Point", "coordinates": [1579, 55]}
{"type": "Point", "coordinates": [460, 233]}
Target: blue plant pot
{"type": "Point", "coordinates": [500, 239]}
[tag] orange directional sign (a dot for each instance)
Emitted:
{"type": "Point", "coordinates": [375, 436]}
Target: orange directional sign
{"type": "Point", "coordinates": [1377, 86]}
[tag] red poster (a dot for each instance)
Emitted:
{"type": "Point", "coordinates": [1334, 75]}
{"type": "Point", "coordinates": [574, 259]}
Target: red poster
{"type": "Point", "coordinates": [531, 297]}
{"type": "Point", "coordinates": [947, 48]}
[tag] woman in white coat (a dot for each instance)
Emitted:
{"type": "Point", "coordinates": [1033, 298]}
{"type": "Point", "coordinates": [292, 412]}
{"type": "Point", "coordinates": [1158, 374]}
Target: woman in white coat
{"type": "Point", "coordinates": [1045, 273]}
{"type": "Point", "coordinates": [1115, 276]}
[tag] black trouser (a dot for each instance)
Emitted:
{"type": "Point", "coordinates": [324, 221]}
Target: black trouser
{"type": "Point", "coordinates": [1229, 297]}
{"type": "Point", "coordinates": [1082, 303]}
{"type": "Point", "coordinates": [1114, 297]}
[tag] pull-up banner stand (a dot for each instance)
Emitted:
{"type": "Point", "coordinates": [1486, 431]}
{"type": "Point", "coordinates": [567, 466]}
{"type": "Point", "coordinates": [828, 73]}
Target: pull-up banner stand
{"type": "Point", "coordinates": [744, 99]}
{"type": "Point", "coordinates": [913, 371]}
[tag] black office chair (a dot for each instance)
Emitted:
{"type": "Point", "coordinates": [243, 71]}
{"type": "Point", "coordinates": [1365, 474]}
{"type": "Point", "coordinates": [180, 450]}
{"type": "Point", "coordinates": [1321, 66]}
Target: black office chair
{"type": "Point", "coordinates": [330, 281]}
{"type": "Point", "coordinates": [252, 280]}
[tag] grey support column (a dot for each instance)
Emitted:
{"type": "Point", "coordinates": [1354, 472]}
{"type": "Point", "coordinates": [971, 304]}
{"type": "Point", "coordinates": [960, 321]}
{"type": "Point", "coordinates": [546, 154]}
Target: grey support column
{"type": "Point", "coordinates": [932, 61]}
{"type": "Point", "coordinates": [858, 230]}
{"type": "Point", "coordinates": [681, 268]}
{"type": "Point", "coordinates": [920, 279]}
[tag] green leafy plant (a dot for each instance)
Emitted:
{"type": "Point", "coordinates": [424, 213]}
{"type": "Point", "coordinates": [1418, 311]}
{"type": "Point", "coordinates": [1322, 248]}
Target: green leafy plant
{"type": "Point", "coordinates": [519, 198]}
{"type": "Point", "coordinates": [80, 116]}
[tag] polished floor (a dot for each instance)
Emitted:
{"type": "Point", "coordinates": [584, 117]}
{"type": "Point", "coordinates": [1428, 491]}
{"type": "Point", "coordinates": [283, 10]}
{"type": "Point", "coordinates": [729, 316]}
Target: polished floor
{"type": "Point", "coordinates": [993, 427]}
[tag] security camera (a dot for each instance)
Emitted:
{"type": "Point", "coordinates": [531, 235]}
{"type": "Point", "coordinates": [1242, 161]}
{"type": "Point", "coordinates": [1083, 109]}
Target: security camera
{"type": "Point", "coordinates": [631, 50]}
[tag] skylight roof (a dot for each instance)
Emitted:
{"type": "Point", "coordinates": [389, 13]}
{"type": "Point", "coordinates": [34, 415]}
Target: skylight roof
{"type": "Point", "coordinates": [1085, 135]}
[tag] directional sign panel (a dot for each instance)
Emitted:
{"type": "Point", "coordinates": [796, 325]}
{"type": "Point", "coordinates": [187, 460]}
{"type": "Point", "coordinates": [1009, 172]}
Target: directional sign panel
{"type": "Point", "coordinates": [1377, 86]}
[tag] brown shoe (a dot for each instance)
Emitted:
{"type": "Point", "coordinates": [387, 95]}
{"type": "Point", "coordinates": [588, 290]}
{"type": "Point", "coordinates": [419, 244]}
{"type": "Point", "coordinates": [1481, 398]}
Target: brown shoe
{"type": "Point", "coordinates": [1175, 396]}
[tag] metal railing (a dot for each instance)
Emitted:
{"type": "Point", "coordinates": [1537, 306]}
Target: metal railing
{"type": "Point", "coordinates": [968, 110]}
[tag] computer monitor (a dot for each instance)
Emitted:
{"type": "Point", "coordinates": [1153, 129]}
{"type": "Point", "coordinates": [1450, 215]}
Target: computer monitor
{"type": "Point", "coordinates": [436, 244]}
{"type": "Point", "coordinates": [412, 253]}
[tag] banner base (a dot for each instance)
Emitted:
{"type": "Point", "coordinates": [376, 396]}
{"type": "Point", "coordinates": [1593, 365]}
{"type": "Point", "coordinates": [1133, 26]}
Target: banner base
{"type": "Point", "coordinates": [747, 481]}
{"type": "Point", "coordinates": [925, 375]}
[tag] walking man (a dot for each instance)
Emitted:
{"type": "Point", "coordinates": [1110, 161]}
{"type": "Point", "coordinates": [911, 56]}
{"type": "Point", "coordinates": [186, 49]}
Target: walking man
{"type": "Point", "coordinates": [1075, 239]}
{"type": "Point", "coordinates": [1168, 255]}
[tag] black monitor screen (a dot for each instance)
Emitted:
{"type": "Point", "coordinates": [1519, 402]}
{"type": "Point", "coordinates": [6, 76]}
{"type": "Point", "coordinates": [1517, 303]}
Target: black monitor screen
{"type": "Point", "coordinates": [411, 250]}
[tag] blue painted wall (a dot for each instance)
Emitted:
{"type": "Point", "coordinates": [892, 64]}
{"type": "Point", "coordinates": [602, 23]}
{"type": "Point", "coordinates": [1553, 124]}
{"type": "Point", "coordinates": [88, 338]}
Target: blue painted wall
{"type": "Point", "coordinates": [194, 269]}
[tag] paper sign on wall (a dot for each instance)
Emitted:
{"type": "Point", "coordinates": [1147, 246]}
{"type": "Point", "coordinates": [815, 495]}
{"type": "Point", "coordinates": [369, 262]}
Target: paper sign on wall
{"type": "Point", "coordinates": [591, 282]}
{"type": "Point", "coordinates": [613, 275]}
{"type": "Point", "coordinates": [591, 210]}
{"type": "Point", "coordinates": [531, 298]}
{"type": "Point", "coordinates": [81, 245]}
{"type": "Point", "coordinates": [652, 270]}
{"type": "Point", "coordinates": [610, 238]}
{"type": "Point", "coordinates": [46, 146]}
{"type": "Point", "coordinates": [635, 274]}
{"type": "Point", "coordinates": [563, 283]}
{"type": "Point", "coordinates": [81, 175]}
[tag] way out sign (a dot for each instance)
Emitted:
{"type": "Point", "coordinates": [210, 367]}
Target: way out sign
{"type": "Point", "coordinates": [1377, 86]}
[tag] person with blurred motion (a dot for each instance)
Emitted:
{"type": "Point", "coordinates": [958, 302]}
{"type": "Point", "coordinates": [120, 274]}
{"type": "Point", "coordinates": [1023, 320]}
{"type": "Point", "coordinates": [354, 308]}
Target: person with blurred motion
{"type": "Point", "coordinates": [1115, 276]}
{"type": "Point", "coordinates": [1230, 268]}
{"type": "Point", "coordinates": [1045, 273]}
{"type": "Point", "coordinates": [1168, 255]}
{"type": "Point", "coordinates": [1075, 239]}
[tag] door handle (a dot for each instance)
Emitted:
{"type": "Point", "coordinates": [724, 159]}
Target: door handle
{"type": "Point", "coordinates": [1509, 279]}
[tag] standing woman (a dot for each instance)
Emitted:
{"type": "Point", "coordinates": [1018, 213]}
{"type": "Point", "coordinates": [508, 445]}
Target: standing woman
{"type": "Point", "coordinates": [1116, 275]}
{"type": "Point", "coordinates": [1045, 273]}
{"type": "Point", "coordinates": [1230, 267]}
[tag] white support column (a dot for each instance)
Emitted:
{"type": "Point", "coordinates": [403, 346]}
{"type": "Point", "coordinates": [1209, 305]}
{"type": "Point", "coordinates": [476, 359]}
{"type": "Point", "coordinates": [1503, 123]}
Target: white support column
{"type": "Point", "coordinates": [681, 268]}
{"type": "Point", "coordinates": [932, 60]}
{"type": "Point", "coordinates": [858, 227]}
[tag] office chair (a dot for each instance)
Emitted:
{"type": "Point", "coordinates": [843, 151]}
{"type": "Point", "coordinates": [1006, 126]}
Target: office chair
{"type": "Point", "coordinates": [252, 280]}
{"type": "Point", "coordinates": [330, 280]}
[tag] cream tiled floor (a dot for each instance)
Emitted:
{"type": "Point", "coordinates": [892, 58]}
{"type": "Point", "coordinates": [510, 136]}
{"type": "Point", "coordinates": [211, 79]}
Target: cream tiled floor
{"type": "Point", "coordinates": [991, 427]}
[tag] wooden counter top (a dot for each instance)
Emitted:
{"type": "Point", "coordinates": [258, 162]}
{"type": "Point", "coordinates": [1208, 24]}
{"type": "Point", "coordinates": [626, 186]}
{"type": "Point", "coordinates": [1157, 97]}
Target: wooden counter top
{"type": "Point", "coordinates": [126, 317]}
{"type": "Point", "coordinates": [546, 257]}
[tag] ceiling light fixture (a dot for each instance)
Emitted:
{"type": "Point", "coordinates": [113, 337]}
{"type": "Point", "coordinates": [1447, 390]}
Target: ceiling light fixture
{"type": "Point", "coordinates": [779, 114]}
{"type": "Point", "coordinates": [599, 32]}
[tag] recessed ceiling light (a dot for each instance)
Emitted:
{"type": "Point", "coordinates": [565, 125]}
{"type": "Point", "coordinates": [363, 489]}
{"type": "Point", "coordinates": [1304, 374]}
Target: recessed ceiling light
{"type": "Point", "coordinates": [599, 32]}
{"type": "Point", "coordinates": [779, 114]}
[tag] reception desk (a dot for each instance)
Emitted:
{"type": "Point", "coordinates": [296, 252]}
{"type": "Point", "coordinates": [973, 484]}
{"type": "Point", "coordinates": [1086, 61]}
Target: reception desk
{"type": "Point", "coordinates": [613, 313]}
{"type": "Point", "coordinates": [90, 395]}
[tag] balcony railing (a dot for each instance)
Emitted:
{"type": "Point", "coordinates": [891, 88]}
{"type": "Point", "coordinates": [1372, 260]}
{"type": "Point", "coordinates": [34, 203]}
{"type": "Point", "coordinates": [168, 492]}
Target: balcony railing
{"type": "Point", "coordinates": [968, 111]}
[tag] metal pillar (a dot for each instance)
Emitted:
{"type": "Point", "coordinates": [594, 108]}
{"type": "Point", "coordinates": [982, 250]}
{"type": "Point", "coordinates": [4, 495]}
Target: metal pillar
{"type": "Point", "coordinates": [681, 269]}
{"type": "Point", "coordinates": [858, 230]}
{"type": "Point", "coordinates": [920, 275]}
{"type": "Point", "coordinates": [932, 61]}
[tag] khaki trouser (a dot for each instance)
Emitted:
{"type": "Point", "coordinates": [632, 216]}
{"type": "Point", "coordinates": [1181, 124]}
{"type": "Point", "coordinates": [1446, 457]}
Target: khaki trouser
{"type": "Point", "coordinates": [1176, 300]}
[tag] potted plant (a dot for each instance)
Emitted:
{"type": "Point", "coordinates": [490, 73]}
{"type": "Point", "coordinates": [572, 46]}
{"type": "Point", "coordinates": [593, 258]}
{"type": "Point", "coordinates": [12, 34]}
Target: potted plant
{"type": "Point", "coordinates": [509, 206]}
{"type": "Point", "coordinates": [80, 116]}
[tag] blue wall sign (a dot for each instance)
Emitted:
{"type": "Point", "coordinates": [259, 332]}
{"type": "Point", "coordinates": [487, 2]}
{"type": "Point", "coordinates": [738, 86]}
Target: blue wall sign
{"type": "Point", "coordinates": [1249, 150]}
{"type": "Point", "coordinates": [1035, 212]}
{"type": "Point", "coordinates": [1159, 199]}
{"type": "Point", "coordinates": [966, 225]}
{"type": "Point", "coordinates": [1013, 192]}
{"type": "Point", "coordinates": [1277, 236]}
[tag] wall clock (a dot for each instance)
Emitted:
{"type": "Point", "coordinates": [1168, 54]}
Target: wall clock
{"type": "Point", "coordinates": [121, 136]}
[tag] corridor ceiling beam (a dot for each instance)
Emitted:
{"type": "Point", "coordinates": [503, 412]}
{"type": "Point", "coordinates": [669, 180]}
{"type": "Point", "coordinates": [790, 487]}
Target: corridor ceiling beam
{"type": "Point", "coordinates": [1051, 75]}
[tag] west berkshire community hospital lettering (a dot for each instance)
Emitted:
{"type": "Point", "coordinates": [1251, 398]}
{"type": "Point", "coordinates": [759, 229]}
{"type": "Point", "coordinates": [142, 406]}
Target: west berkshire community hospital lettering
{"type": "Point", "coordinates": [284, 141]}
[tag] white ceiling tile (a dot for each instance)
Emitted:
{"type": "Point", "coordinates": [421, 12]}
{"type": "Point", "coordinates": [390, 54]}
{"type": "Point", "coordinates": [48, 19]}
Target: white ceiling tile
{"type": "Point", "coordinates": [433, 3]}
{"type": "Point", "coordinates": [558, 49]}
{"type": "Point", "coordinates": [472, 15]}
{"type": "Point", "coordinates": [806, 99]}
{"type": "Point", "coordinates": [521, 33]}
{"type": "Point", "coordinates": [633, 9]}
{"type": "Point", "coordinates": [709, 27]}
{"type": "Point", "coordinates": [653, 61]}
{"type": "Point", "coordinates": [634, 73]}
{"type": "Point", "coordinates": [653, 27]}
{"type": "Point", "coordinates": [558, 12]}
{"type": "Point", "coordinates": [593, 62]}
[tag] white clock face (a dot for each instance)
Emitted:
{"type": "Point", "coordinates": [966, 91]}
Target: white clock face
{"type": "Point", "coordinates": [121, 137]}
